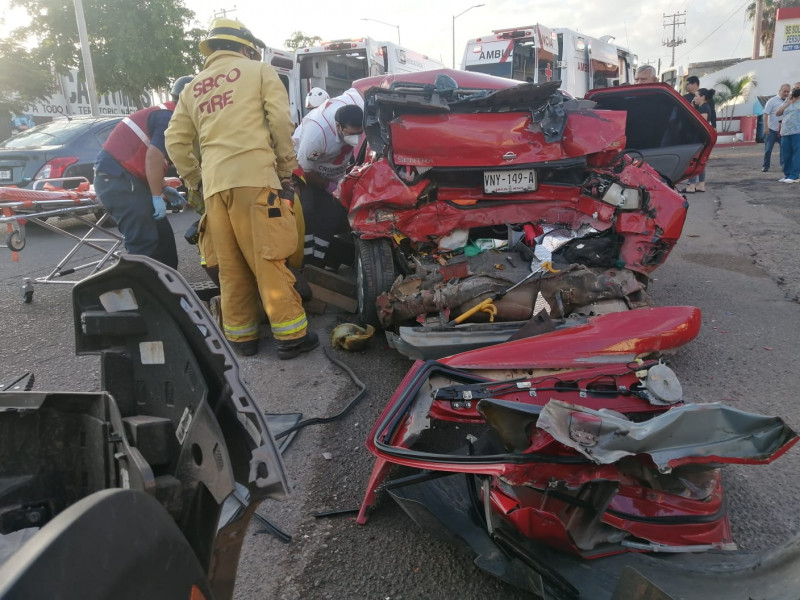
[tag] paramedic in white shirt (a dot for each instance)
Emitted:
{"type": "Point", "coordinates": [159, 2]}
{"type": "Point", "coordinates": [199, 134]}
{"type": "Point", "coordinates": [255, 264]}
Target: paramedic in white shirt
{"type": "Point", "coordinates": [324, 144]}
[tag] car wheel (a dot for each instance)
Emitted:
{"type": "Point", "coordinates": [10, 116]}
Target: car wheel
{"type": "Point", "coordinates": [375, 273]}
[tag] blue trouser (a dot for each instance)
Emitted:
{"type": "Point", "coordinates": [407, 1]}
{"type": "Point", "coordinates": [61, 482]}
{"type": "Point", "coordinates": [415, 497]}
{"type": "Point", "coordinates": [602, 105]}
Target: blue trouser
{"type": "Point", "coordinates": [790, 145]}
{"type": "Point", "coordinates": [769, 143]}
{"type": "Point", "coordinates": [701, 178]}
{"type": "Point", "coordinates": [131, 205]}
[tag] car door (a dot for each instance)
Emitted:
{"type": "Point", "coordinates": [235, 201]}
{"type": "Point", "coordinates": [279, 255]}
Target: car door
{"type": "Point", "coordinates": [671, 134]}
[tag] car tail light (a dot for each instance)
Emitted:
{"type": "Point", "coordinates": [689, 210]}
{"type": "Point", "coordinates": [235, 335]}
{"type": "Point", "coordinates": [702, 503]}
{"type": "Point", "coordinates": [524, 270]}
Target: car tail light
{"type": "Point", "coordinates": [53, 169]}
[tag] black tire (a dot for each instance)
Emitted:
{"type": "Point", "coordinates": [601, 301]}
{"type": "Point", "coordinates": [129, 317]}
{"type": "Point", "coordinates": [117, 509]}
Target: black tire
{"type": "Point", "coordinates": [15, 241]}
{"type": "Point", "coordinates": [375, 273]}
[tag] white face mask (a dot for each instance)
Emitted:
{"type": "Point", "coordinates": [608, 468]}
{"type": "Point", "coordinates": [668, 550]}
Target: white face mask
{"type": "Point", "coordinates": [351, 140]}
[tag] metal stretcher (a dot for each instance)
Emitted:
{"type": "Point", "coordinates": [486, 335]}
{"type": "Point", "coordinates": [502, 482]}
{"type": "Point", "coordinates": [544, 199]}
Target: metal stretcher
{"type": "Point", "coordinates": [18, 207]}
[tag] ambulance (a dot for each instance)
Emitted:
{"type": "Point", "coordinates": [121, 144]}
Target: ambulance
{"type": "Point", "coordinates": [285, 64]}
{"type": "Point", "coordinates": [537, 54]}
{"type": "Point", "coordinates": [335, 65]}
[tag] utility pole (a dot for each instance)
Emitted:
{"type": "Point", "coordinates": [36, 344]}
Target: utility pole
{"type": "Point", "coordinates": [88, 70]}
{"type": "Point", "coordinates": [757, 29]}
{"type": "Point", "coordinates": [223, 12]}
{"type": "Point", "coordinates": [674, 41]}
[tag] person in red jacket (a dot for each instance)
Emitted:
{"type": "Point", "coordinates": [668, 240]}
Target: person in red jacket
{"type": "Point", "coordinates": [129, 180]}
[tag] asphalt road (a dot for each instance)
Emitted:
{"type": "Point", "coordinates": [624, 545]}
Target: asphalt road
{"type": "Point", "coordinates": [736, 261]}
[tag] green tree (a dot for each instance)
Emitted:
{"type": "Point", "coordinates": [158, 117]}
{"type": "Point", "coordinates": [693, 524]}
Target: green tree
{"type": "Point", "coordinates": [22, 79]}
{"type": "Point", "coordinates": [767, 25]}
{"type": "Point", "coordinates": [136, 45]}
{"type": "Point", "coordinates": [300, 40]}
{"type": "Point", "coordinates": [733, 90]}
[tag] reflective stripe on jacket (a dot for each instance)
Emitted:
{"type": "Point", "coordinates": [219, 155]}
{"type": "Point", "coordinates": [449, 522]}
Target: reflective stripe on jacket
{"type": "Point", "coordinates": [129, 141]}
{"type": "Point", "coordinates": [238, 110]}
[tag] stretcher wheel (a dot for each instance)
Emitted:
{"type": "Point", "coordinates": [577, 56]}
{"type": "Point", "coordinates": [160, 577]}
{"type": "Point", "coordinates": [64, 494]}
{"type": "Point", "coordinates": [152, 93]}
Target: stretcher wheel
{"type": "Point", "coordinates": [15, 241]}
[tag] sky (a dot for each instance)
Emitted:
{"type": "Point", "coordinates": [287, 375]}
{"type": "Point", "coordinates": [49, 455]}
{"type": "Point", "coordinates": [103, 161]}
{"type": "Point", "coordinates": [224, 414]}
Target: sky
{"type": "Point", "coordinates": [714, 29]}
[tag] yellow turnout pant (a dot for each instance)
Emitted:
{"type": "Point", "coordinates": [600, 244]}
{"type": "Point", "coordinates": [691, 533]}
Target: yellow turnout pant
{"type": "Point", "coordinates": [254, 232]}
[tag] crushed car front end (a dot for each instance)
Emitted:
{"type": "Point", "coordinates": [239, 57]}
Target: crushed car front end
{"type": "Point", "coordinates": [468, 183]}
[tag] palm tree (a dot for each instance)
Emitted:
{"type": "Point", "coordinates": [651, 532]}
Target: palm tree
{"type": "Point", "coordinates": [733, 90]}
{"type": "Point", "coordinates": [767, 25]}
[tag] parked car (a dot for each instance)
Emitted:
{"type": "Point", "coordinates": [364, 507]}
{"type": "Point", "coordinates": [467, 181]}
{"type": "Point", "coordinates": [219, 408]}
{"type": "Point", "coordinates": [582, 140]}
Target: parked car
{"type": "Point", "coordinates": [62, 148]}
{"type": "Point", "coordinates": [479, 203]}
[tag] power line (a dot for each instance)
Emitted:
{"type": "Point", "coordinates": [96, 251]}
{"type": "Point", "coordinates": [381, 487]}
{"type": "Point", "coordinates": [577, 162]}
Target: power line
{"type": "Point", "coordinates": [728, 18]}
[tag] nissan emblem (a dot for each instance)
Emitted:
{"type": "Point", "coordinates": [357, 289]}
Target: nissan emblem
{"type": "Point", "coordinates": [509, 156]}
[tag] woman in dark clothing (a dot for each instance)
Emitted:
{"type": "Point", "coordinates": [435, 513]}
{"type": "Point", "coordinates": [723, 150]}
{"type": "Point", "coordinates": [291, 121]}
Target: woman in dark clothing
{"type": "Point", "coordinates": [704, 102]}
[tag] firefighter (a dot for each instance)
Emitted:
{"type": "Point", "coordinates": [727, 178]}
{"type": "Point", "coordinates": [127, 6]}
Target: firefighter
{"type": "Point", "coordinates": [129, 180]}
{"type": "Point", "coordinates": [238, 111]}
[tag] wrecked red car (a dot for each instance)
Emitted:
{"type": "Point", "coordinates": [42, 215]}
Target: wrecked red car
{"type": "Point", "coordinates": [480, 202]}
{"type": "Point", "coordinates": [540, 454]}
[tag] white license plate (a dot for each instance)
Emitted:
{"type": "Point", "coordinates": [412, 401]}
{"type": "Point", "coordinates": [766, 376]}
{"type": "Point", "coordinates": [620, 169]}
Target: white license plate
{"type": "Point", "coordinates": [5, 174]}
{"type": "Point", "coordinates": [509, 182]}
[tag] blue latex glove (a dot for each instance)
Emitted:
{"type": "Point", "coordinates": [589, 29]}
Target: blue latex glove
{"type": "Point", "coordinates": [159, 208]}
{"type": "Point", "coordinates": [173, 197]}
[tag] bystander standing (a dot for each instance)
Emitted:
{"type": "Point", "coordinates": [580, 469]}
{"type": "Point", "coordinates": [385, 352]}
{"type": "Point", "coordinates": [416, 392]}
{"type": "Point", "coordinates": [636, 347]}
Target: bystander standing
{"type": "Point", "coordinates": [692, 85]}
{"type": "Point", "coordinates": [772, 125]}
{"type": "Point", "coordinates": [645, 74]}
{"type": "Point", "coordinates": [704, 101]}
{"type": "Point", "coordinates": [790, 135]}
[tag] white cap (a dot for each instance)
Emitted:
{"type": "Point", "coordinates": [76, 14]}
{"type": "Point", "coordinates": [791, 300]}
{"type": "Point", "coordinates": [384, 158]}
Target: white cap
{"type": "Point", "coordinates": [316, 97]}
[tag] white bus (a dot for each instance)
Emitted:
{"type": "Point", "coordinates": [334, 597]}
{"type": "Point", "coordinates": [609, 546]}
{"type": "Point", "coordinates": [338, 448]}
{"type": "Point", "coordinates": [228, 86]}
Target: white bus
{"type": "Point", "coordinates": [335, 65]}
{"type": "Point", "coordinates": [537, 54]}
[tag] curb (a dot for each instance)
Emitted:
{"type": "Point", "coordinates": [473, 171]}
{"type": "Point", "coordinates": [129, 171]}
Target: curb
{"type": "Point", "coordinates": [736, 144]}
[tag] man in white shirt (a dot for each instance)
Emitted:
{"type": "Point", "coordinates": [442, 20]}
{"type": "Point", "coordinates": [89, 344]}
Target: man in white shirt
{"type": "Point", "coordinates": [772, 125]}
{"type": "Point", "coordinates": [324, 144]}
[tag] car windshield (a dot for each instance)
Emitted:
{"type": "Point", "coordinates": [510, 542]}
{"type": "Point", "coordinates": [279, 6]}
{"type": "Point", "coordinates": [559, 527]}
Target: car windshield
{"type": "Point", "coordinates": [55, 133]}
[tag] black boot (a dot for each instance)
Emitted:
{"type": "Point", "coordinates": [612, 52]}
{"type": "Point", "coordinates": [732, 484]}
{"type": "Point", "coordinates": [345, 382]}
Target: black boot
{"type": "Point", "coordinates": [248, 348]}
{"type": "Point", "coordinates": [301, 285]}
{"type": "Point", "coordinates": [291, 348]}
